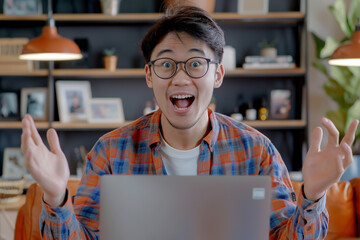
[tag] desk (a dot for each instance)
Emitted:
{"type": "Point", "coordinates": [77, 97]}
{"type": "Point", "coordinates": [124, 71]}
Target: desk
{"type": "Point", "coordinates": [8, 214]}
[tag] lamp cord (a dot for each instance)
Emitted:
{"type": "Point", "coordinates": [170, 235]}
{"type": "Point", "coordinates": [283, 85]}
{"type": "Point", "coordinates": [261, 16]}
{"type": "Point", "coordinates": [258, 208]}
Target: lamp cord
{"type": "Point", "coordinates": [51, 21]}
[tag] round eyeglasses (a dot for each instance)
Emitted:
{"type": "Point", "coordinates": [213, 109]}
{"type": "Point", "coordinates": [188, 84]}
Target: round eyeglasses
{"type": "Point", "coordinates": [195, 67]}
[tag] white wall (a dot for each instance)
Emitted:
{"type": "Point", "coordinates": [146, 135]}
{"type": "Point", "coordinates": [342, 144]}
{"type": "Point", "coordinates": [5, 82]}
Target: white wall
{"type": "Point", "coordinates": [323, 24]}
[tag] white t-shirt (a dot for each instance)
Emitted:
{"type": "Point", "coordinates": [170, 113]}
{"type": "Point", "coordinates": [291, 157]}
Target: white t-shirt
{"type": "Point", "coordinates": [179, 162]}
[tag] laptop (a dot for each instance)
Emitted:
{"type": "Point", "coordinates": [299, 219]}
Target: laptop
{"type": "Point", "coordinates": [150, 207]}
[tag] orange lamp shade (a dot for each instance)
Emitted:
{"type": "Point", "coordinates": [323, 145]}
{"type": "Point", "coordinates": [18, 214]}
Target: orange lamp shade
{"type": "Point", "coordinates": [50, 46]}
{"type": "Point", "coordinates": [347, 54]}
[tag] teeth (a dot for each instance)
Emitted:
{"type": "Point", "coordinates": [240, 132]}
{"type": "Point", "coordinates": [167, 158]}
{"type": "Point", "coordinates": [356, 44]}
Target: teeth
{"type": "Point", "coordinates": [182, 96]}
{"type": "Point", "coordinates": [180, 109]}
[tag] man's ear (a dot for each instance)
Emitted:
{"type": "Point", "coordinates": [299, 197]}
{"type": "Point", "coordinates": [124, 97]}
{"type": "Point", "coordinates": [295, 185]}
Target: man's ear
{"type": "Point", "coordinates": [148, 76]}
{"type": "Point", "coordinates": [219, 76]}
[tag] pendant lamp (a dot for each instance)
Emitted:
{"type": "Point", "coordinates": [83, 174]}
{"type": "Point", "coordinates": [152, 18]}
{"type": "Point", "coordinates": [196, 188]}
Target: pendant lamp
{"type": "Point", "coordinates": [348, 54]}
{"type": "Point", "coordinates": [50, 46]}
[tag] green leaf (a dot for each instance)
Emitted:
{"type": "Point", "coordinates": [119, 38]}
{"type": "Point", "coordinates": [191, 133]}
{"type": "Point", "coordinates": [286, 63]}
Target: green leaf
{"type": "Point", "coordinates": [321, 67]}
{"type": "Point", "coordinates": [353, 14]}
{"type": "Point", "coordinates": [341, 75]}
{"type": "Point", "coordinates": [338, 117]}
{"type": "Point", "coordinates": [354, 114]}
{"type": "Point", "coordinates": [319, 44]}
{"type": "Point", "coordinates": [331, 44]}
{"type": "Point", "coordinates": [335, 92]}
{"type": "Point", "coordinates": [339, 13]}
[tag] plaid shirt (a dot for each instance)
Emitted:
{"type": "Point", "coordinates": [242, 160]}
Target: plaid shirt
{"type": "Point", "coordinates": [230, 148]}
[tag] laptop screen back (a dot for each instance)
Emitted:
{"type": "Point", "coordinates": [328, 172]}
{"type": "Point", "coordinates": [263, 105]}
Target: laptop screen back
{"type": "Point", "coordinates": [149, 207]}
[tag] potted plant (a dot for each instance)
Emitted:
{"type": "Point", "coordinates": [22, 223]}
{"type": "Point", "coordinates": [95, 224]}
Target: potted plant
{"type": "Point", "coordinates": [343, 83]}
{"type": "Point", "coordinates": [268, 48]}
{"type": "Point", "coordinates": [110, 59]}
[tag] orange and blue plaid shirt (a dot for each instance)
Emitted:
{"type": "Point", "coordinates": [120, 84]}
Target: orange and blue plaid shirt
{"type": "Point", "coordinates": [230, 148]}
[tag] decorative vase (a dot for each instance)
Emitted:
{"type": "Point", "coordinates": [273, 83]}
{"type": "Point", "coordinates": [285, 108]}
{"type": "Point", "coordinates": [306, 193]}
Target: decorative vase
{"type": "Point", "coordinates": [207, 5]}
{"type": "Point", "coordinates": [268, 52]}
{"type": "Point", "coordinates": [110, 63]}
{"type": "Point", "coordinates": [110, 7]}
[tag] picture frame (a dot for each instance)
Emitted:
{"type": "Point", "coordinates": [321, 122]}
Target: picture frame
{"type": "Point", "coordinates": [22, 7]}
{"type": "Point", "coordinates": [14, 164]}
{"type": "Point", "coordinates": [253, 6]}
{"type": "Point", "coordinates": [72, 99]}
{"type": "Point", "coordinates": [280, 103]}
{"type": "Point", "coordinates": [105, 110]}
{"type": "Point", "coordinates": [34, 101]}
{"type": "Point", "coordinates": [9, 106]}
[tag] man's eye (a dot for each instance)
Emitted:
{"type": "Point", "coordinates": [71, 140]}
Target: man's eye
{"type": "Point", "coordinates": [167, 64]}
{"type": "Point", "coordinates": [194, 64]}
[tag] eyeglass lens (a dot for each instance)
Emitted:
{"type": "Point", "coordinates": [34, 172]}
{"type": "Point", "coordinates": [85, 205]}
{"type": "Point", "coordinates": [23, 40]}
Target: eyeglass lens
{"type": "Point", "coordinates": [195, 67]}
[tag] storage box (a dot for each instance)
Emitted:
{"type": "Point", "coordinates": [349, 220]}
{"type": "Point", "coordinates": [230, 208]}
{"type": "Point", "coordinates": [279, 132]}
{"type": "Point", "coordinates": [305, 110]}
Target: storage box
{"type": "Point", "coordinates": [10, 49]}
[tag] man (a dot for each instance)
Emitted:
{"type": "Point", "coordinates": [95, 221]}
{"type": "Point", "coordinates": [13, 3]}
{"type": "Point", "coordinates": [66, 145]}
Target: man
{"type": "Point", "coordinates": [183, 54]}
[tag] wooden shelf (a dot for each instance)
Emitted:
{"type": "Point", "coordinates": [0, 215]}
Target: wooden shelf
{"type": "Point", "coordinates": [100, 72]}
{"type": "Point", "coordinates": [87, 126]}
{"type": "Point", "coordinates": [268, 124]}
{"type": "Point", "coordinates": [150, 17]}
{"type": "Point", "coordinates": [17, 125]}
{"type": "Point", "coordinates": [277, 124]}
{"type": "Point", "coordinates": [139, 72]}
{"type": "Point", "coordinates": [35, 73]}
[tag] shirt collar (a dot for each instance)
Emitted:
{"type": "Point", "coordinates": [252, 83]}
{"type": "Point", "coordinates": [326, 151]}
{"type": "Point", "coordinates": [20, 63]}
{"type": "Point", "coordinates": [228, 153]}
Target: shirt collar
{"type": "Point", "coordinates": [210, 138]}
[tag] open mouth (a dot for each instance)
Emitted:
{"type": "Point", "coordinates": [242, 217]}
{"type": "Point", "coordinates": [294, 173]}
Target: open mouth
{"type": "Point", "coordinates": [182, 102]}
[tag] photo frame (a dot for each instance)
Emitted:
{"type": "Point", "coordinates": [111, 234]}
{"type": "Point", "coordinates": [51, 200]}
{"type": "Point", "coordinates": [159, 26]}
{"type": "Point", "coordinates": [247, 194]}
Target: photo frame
{"type": "Point", "coordinates": [34, 101]}
{"type": "Point", "coordinates": [14, 164]}
{"type": "Point", "coordinates": [72, 99]}
{"type": "Point", "coordinates": [22, 7]}
{"type": "Point", "coordinates": [105, 110]}
{"type": "Point", "coordinates": [9, 106]}
{"type": "Point", "coordinates": [280, 103]}
{"type": "Point", "coordinates": [253, 6]}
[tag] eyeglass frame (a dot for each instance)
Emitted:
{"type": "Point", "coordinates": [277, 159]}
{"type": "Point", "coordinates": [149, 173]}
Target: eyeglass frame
{"type": "Point", "coordinates": [208, 61]}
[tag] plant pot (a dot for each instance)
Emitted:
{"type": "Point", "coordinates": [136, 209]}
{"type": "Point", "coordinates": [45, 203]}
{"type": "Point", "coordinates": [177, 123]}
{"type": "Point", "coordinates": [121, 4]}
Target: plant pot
{"type": "Point", "coordinates": [268, 52]}
{"type": "Point", "coordinates": [110, 7]}
{"type": "Point", "coordinates": [110, 63]}
{"type": "Point", "coordinates": [207, 5]}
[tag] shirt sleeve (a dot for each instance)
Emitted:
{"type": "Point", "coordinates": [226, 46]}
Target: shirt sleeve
{"type": "Point", "coordinates": [291, 218]}
{"type": "Point", "coordinates": [78, 218]}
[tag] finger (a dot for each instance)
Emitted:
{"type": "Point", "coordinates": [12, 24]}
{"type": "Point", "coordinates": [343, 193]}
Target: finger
{"type": "Point", "coordinates": [53, 140]}
{"type": "Point", "coordinates": [348, 155]}
{"type": "Point", "coordinates": [333, 138]}
{"type": "Point", "coordinates": [350, 134]}
{"type": "Point", "coordinates": [316, 138]}
{"type": "Point", "coordinates": [26, 139]}
{"type": "Point", "coordinates": [34, 132]}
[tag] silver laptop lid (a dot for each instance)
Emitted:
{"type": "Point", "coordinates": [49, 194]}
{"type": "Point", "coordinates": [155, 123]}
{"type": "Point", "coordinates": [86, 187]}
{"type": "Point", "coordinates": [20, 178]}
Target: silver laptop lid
{"type": "Point", "coordinates": [139, 207]}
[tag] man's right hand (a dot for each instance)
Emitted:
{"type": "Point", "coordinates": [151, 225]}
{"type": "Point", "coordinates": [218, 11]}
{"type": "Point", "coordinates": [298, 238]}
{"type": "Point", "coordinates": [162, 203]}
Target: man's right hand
{"type": "Point", "coordinates": [49, 168]}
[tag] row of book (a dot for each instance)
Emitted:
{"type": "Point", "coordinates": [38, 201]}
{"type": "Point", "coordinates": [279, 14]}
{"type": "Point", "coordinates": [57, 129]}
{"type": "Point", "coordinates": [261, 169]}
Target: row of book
{"type": "Point", "coordinates": [261, 62]}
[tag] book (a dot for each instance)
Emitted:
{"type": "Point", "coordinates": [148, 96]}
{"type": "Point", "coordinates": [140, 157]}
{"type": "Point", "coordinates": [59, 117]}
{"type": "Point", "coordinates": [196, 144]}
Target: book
{"type": "Point", "coordinates": [261, 59]}
{"type": "Point", "coordinates": [268, 65]}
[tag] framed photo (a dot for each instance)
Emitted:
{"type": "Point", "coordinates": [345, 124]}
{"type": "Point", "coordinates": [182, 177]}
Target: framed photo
{"type": "Point", "coordinates": [22, 7]}
{"type": "Point", "coordinates": [105, 110]}
{"type": "Point", "coordinates": [253, 6]}
{"type": "Point", "coordinates": [34, 102]}
{"type": "Point", "coordinates": [72, 98]}
{"type": "Point", "coordinates": [14, 164]}
{"type": "Point", "coordinates": [9, 106]}
{"type": "Point", "coordinates": [280, 104]}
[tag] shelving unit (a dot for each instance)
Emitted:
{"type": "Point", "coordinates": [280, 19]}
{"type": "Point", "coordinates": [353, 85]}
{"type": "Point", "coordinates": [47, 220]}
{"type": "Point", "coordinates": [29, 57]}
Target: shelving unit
{"type": "Point", "coordinates": [128, 80]}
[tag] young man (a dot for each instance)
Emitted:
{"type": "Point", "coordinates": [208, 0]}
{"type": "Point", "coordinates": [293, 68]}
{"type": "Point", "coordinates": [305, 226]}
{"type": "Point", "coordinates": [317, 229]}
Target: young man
{"type": "Point", "coordinates": [183, 53]}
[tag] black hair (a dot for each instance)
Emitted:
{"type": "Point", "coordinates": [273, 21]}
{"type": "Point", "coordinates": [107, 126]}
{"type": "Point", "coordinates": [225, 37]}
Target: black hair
{"type": "Point", "coordinates": [191, 20]}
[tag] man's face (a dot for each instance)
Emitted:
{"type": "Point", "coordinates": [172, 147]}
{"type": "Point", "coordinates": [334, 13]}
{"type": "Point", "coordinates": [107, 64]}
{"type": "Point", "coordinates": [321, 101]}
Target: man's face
{"type": "Point", "coordinates": [183, 99]}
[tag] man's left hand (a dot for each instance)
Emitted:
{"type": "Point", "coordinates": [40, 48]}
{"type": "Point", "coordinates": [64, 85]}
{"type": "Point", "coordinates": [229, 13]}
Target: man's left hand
{"type": "Point", "coordinates": [322, 169]}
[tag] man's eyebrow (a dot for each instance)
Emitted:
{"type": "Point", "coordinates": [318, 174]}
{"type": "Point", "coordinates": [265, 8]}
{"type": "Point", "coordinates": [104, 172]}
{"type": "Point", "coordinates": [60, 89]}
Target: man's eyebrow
{"type": "Point", "coordinates": [164, 51]}
{"type": "Point", "coordinates": [196, 50]}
